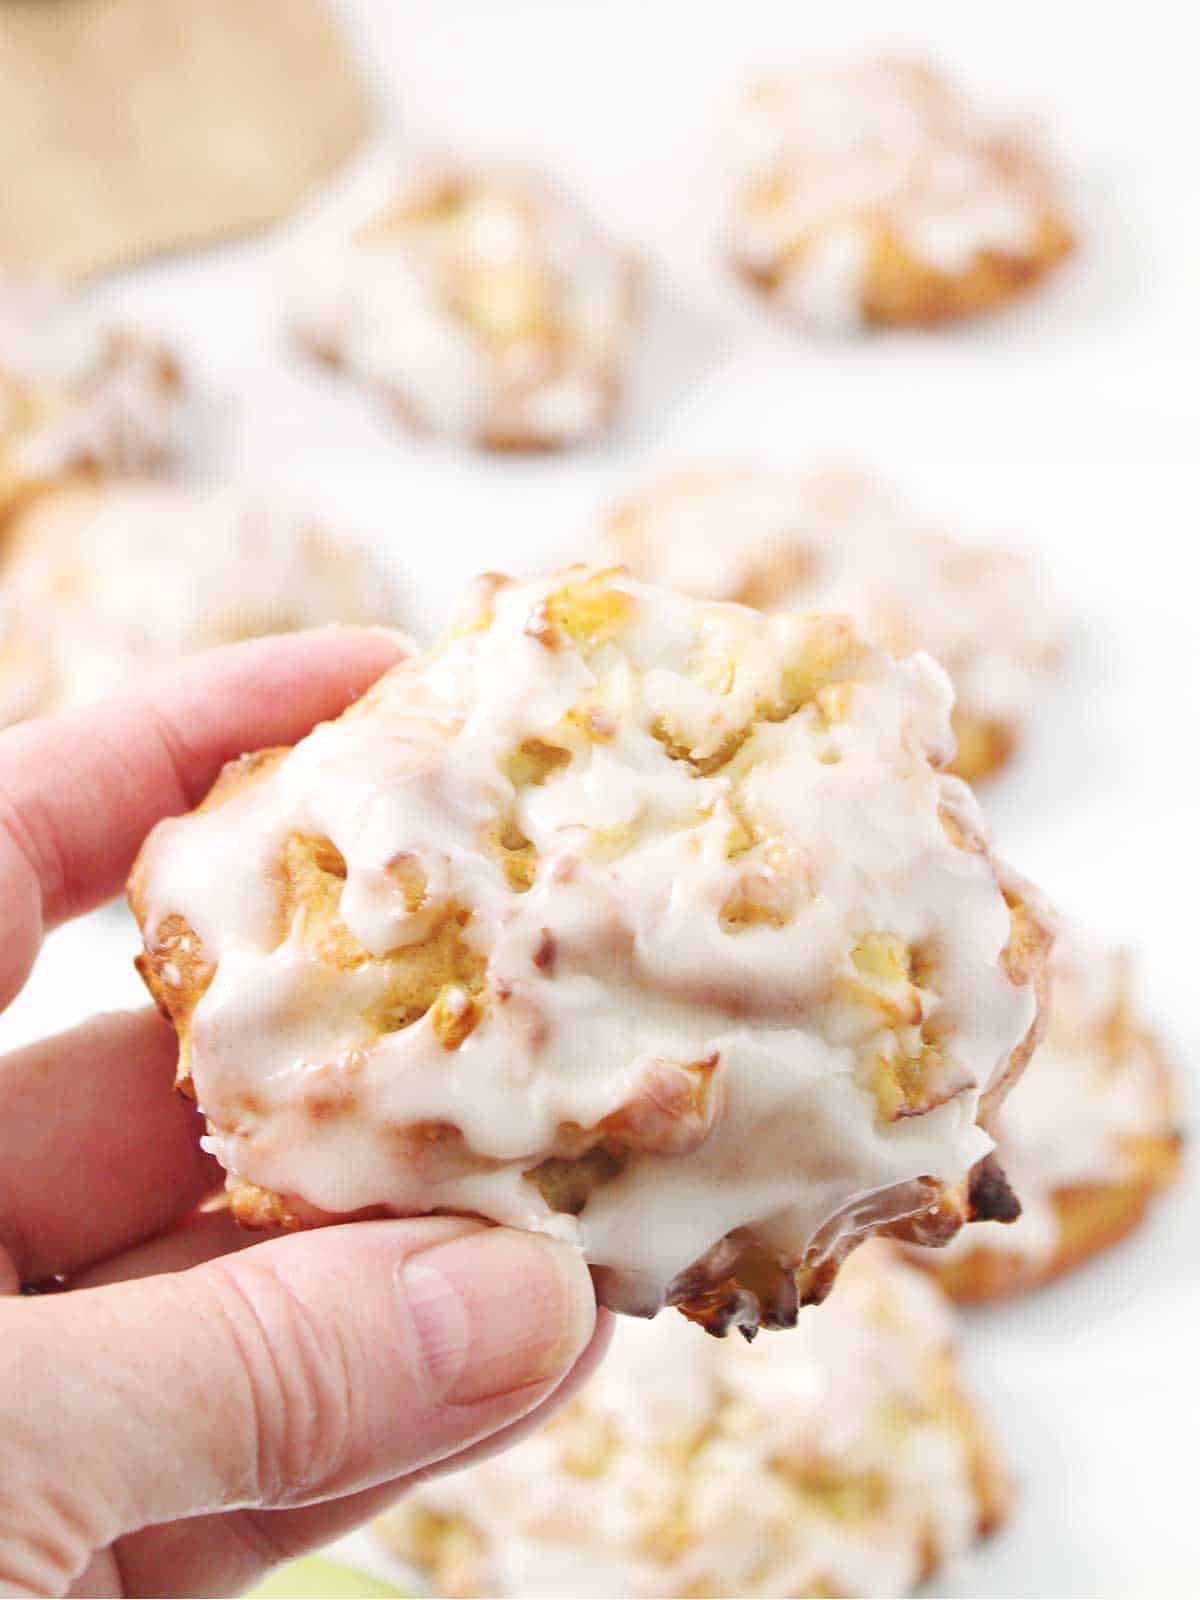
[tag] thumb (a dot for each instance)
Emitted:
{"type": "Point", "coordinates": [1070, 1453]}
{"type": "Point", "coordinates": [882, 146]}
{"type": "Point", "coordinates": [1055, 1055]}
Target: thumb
{"type": "Point", "coordinates": [297, 1370]}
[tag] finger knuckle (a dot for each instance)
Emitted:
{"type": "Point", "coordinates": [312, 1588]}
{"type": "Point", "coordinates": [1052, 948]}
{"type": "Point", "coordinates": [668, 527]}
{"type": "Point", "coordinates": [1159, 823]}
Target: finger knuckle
{"type": "Point", "coordinates": [299, 1374]}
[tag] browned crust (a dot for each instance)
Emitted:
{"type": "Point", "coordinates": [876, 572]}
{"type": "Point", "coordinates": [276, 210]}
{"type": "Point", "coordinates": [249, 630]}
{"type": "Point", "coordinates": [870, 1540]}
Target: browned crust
{"type": "Point", "coordinates": [1026, 959]}
{"type": "Point", "coordinates": [178, 1000]}
{"type": "Point", "coordinates": [903, 290]}
{"type": "Point", "coordinates": [983, 745]}
{"type": "Point", "coordinates": [741, 1285]}
{"type": "Point", "coordinates": [257, 1209]}
{"type": "Point", "coordinates": [990, 1196]}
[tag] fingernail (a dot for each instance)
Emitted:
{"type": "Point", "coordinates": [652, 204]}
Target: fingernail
{"type": "Point", "coordinates": [496, 1310]}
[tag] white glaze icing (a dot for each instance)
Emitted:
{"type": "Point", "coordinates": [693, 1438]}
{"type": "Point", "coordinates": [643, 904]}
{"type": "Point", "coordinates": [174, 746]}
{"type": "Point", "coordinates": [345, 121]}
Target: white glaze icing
{"type": "Point", "coordinates": [482, 300]}
{"type": "Point", "coordinates": [1099, 1083]}
{"type": "Point", "coordinates": [841, 541]}
{"type": "Point", "coordinates": [75, 393]}
{"type": "Point", "coordinates": [831, 156]}
{"type": "Point", "coordinates": [725, 1447]}
{"type": "Point", "coordinates": [108, 579]}
{"type": "Point", "coordinates": [634, 877]}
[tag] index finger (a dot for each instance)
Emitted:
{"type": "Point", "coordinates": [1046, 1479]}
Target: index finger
{"type": "Point", "coordinates": [79, 791]}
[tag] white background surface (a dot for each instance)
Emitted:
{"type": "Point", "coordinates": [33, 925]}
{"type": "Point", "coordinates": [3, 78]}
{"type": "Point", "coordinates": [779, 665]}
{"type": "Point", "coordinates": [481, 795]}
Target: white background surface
{"type": "Point", "coordinates": [1068, 423]}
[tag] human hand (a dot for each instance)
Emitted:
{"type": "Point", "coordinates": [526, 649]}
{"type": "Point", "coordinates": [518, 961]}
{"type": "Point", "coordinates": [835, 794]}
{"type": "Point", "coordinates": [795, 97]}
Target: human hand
{"type": "Point", "coordinates": [192, 1411]}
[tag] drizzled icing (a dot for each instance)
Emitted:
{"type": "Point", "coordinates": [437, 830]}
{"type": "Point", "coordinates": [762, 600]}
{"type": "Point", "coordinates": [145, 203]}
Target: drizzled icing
{"type": "Point", "coordinates": [102, 580]}
{"type": "Point", "coordinates": [482, 300]}
{"type": "Point", "coordinates": [1100, 1085]}
{"type": "Point", "coordinates": [827, 160]}
{"type": "Point", "coordinates": [76, 394]}
{"type": "Point", "coordinates": [840, 541]}
{"type": "Point", "coordinates": [676, 975]}
{"type": "Point", "coordinates": [831, 1461]}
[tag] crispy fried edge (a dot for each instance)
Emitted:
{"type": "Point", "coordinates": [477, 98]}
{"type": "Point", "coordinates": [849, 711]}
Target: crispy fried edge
{"type": "Point", "coordinates": [902, 290]}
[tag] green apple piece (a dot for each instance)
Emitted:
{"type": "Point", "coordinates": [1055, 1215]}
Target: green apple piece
{"type": "Point", "coordinates": [319, 1578]}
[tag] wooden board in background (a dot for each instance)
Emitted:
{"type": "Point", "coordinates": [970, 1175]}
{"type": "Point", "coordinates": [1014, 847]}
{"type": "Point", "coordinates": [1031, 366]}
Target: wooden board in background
{"type": "Point", "coordinates": [130, 127]}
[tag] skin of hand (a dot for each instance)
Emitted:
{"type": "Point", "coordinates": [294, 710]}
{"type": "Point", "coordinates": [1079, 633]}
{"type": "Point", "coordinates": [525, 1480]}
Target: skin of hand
{"type": "Point", "coordinates": [200, 1404]}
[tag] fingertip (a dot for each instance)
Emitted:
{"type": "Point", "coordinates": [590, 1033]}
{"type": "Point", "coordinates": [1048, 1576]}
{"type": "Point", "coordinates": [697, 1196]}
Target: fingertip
{"type": "Point", "coordinates": [373, 640]}
{"type": "Point", "coordinates": [361, 654]}
{"type": "Point", "coordinates": [331, 665]}
{"type": "Point", "coordinates": [496, 1311]}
